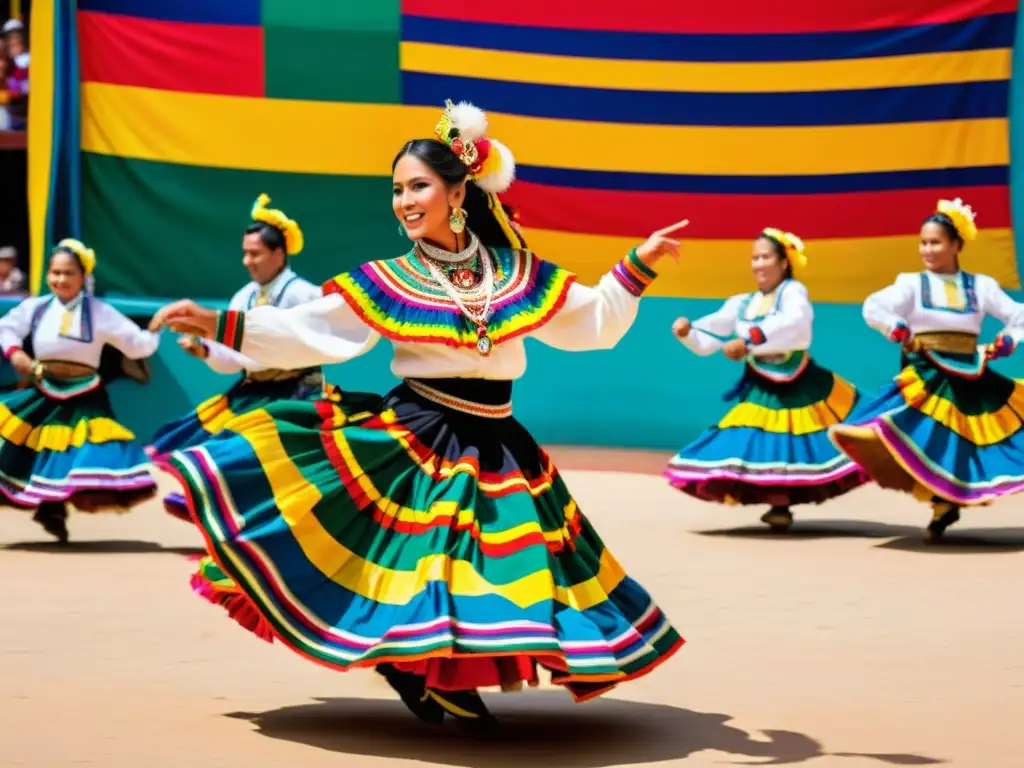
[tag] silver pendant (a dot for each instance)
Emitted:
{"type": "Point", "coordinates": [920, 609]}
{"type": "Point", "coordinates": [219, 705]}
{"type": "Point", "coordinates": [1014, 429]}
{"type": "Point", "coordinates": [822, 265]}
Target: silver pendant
{"type": "Point", "coordinates": [484, 345]}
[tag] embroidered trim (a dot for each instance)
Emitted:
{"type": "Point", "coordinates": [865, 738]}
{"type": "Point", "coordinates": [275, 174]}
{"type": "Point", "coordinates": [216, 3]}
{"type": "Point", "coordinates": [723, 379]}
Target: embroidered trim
{"type": "Point", "coordinates": [633, 274]}
{"type": "Point", "coordinates": [399, 299]}
{"type": "Point", "coordinates": [741, 315]}
{"type": "Point", "coordinates": [230, 328]}
{"type": "Point", "coordinates": [967, 284]}
{"type": "Point", "coordinates": [459, 404]}
{"type": "Point", "coordinates": [11, 350]}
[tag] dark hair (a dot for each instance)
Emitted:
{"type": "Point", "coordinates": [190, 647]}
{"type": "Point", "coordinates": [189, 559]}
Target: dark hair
{"type": "Point", "coordinates": [452, 170]}
{"type": "Point", "coordinates": [272, 237]}
{"type": "Point", "coordinates": [947, 226]}
{"type": "Point", "coordinates": [74, 257]}
{"type": "Point", "coordinates": [780, 251]}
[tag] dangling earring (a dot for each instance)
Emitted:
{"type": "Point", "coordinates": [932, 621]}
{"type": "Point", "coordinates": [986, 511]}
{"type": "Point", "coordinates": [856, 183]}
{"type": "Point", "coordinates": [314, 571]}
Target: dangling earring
{"type": "Point", "coordinates": [401, 230]}
{"type": "Point", "coordinates": [457, 221]}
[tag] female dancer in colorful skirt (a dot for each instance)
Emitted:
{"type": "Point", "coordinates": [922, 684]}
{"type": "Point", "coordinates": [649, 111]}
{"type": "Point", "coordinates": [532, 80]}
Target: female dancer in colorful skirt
{"type": "Point", "coordinates": [772, 447]}
{"type": "Point", "coordinates": [431, 538]}
{"type": "Point", "coordinates": [59, 440]}
{"type": "Point", "coordinates": [948, 429]}
{"type": "Point", "coordinates": [267, 245]}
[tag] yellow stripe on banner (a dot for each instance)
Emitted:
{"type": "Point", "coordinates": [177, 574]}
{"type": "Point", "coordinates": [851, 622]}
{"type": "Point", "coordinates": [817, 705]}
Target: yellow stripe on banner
{"type": "Point", "coordinates": [40, 137]}
{"type": "Point", "coordinates": [841, 270]}
{"type": "Point", "coordinates": [709, 77]}
{"type": "Point", "coordinates": [216, 131]}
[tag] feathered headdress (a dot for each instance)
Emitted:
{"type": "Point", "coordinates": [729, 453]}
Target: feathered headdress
{"type": "Point", "coordinates": [463, 128]}
{"type": "Point", "coordinates": [293, 240]}
{"type": "Point", "coordinates": [961, 215]}
{"type": "Point", "coordinates": [791, 244]}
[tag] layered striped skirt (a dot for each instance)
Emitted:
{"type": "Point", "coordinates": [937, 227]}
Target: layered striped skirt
{"type": "Point", "coordinates": [60, 442]}
{"type": "Point", "coordinates": [941, 435]}
{"type": "Point", "coordinates": [210, 416]}
{"type": "Point", "coordinates": [772, 447]}
{"type": "Point", "coordinates": [427, 530]}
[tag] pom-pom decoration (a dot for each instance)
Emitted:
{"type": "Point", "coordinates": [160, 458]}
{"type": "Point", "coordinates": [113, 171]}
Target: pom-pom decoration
{"type": "Point", "coordinates": [463, 128]}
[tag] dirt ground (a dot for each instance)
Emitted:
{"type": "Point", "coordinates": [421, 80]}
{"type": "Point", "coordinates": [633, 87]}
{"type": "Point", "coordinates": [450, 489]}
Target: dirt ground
{"type": "Point", "coordinates": [846, 643]}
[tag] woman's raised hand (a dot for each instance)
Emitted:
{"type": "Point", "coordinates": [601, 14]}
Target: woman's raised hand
{"type": "Point", "coordinates": [660, 244]}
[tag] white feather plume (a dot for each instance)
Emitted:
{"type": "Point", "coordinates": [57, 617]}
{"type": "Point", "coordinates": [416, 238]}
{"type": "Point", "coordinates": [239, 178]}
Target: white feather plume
{"type": "Point", "coordinates": [470, 120]}
{"type": "Point", "coordinates": [499, 181]}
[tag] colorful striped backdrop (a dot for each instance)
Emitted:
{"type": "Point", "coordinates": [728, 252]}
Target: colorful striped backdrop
{"type": "Point", "coordinates": [843, 122]}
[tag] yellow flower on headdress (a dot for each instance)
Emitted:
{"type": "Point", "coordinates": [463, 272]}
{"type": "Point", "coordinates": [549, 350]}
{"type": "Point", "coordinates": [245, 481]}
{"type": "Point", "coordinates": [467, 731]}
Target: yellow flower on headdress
{"type": "Point", "coordinates": [961, 215]}
{"type": "Point", "coordinates": [87, 256]}
{"type": "Point", "coordinates": [293, 240]}
{"type": "Point", "coordinates": [791, 244]}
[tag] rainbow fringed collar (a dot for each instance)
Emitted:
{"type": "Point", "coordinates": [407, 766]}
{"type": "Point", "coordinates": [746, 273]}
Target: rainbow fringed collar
{"type": "Point", "coordinates": [399, 299]}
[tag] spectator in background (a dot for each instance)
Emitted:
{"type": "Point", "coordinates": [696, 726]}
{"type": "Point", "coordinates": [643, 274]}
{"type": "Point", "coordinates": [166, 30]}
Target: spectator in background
{"type": "Point", "coordinates": [12, 279]}
{"type": "Point", "coordinates": [17, 77]}
{"type": "Point", "coordinates": [5, 97]}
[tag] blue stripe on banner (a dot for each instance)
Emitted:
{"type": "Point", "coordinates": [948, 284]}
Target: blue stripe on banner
{"type": "Point", "coordinates": [981, 176]}
{"type": "Point", "coordinates": [982, 32]}
{"type": "Point", "coordinates": [921, 103]}
{"type": "Point", "coordinates": [243, 13]}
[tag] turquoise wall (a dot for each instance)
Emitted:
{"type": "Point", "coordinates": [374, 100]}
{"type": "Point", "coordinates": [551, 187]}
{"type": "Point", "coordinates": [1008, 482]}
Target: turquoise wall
{"type": "Point", "coordinates": [649, 392]}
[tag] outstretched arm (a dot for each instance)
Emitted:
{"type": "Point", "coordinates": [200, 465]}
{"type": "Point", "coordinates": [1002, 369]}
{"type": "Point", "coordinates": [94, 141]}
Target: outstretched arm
{"type": "Point", "coordinates": [316, 333]}
{"type": "Point", "coordinates": [598, 317]}
{"type": "Point", "coordinates": [120, 332]}
{"type": "Point", "coordinates": [707, 335]}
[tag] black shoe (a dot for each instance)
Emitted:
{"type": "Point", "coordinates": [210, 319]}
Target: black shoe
{"type": "Point", "coordinates": [53, 518]}
{"type": "Point", "coordinates": [413, 692]}
{"type": "Point", "coordinates": [467, 707]}
{"type": "Point", "coordinates": [945, 515]}
{"type": "Point", "coordinates": [779, 518]}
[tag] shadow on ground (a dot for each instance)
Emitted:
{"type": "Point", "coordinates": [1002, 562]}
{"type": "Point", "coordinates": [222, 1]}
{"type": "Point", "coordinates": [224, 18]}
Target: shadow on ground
{"type": "Point", "coordinates": [964, 540]}
{"type": "Point", "coordinates": [102, 547]}
{"type": "Point", "coordinates": [542, 728]}
{"type": "Point", "coordinates": [820, 529]}
{"type": "Point", "coordinates": [903, 538]}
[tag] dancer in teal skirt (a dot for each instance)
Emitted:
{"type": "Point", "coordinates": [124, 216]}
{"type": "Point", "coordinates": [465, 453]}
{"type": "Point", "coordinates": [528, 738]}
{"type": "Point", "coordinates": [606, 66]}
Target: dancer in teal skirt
{"type": "Point", "coordinates": [949, 428]}
{"type": "Point", "coordinates": [772, 446]}
{"type": "Point", "coordinates": [59, 441]}
{"type": "Point", "coordinates": [267, 244]}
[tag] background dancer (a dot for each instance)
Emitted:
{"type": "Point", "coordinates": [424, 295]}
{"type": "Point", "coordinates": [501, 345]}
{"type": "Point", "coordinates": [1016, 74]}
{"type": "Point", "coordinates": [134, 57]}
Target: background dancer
{"type": "Point", "coordinates": [772, 447]}
{"type": "Point", "coordinates": [267, 245]}
{"type": "Point", "coordinates": [948, 428]}
{"type": "Point", "coordinates": [59, 439]}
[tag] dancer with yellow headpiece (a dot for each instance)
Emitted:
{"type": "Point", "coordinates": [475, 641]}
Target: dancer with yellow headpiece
{"type": "Point", "coordinates": [772, 447]}
{"type": "Point", "coordinates": [432, 539]}
{"type": "Point", "coordinates": [949, 428]}
{"type": "Point", "coordinates": [59, 440]}
{"type": "Point", "coordinates": [267, 245]}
